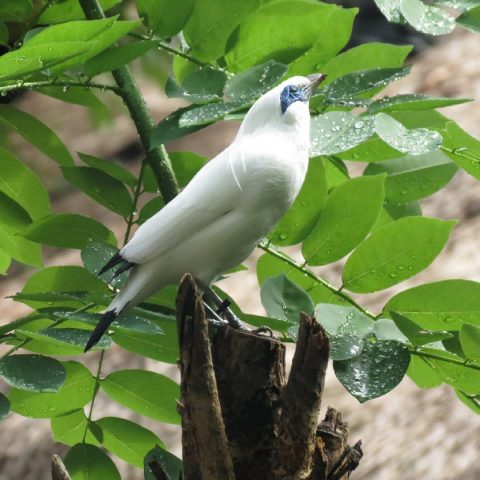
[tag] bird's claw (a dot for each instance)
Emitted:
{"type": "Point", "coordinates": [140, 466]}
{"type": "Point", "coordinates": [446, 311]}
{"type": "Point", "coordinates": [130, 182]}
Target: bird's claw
{"type": "Point", "coordinates": [263, 330]}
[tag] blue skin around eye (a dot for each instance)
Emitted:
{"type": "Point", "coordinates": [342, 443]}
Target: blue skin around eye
{"type": "Point", "coordinates": [291, 94]}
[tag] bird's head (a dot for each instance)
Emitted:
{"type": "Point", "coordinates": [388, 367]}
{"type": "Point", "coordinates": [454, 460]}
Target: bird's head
{"type": "Point", "coordinates": [286, 104]}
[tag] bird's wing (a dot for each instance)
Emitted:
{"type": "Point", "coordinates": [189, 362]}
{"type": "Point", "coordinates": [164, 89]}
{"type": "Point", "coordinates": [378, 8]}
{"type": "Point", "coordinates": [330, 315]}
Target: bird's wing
{"type": "Point", "coordinates": [213, 192]}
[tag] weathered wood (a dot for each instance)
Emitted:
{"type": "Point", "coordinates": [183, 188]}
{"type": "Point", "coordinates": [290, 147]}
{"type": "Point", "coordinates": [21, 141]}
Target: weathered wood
{"type": "Point", "coordinates": [59, 472]}
{"type": "Point", "coordinates": [241, 419]}
{"type": "Point", "coordinates": [250, 372]}
{"type": "Point", "coordinates": [301, 398]}
{"type": "Point", "coordinates": [205, 449]}
{"type": "Point", "coordinates": [334, 459]}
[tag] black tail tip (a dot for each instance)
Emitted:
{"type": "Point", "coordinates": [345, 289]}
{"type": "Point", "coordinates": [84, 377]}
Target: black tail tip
{"type": "Point", "coordinates": [102, 326]}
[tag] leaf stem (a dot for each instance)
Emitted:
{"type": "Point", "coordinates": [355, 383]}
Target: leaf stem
{"type": "Point", "coordinates": [309, 273]}
{"type": "Point", "coordinates": [157, 157]}
{"type": "Point", "coordinates": [95, 391]}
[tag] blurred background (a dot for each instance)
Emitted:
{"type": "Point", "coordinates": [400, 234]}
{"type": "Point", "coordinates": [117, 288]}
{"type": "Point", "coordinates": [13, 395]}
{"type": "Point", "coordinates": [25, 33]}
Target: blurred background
{"type": "Point", "coordinates": [408, 434]}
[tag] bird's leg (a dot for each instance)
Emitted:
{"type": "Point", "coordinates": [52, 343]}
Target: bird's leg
{"type": "Point", "coordinates": [214, 318]}
{"type": "Point", "coordinates": [223, 308]}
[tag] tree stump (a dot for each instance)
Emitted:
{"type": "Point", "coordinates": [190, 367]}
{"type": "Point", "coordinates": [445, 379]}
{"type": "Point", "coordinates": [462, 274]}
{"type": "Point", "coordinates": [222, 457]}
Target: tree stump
{"type": "Point", "coordinates": [241, 418]}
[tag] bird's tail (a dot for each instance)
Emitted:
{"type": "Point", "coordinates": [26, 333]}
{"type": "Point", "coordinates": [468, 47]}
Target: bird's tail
{"type": "Point", "coordinates": [107, 318]}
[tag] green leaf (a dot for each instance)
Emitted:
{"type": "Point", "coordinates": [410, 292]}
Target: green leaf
{"type": "Point", "coordinates": [102, 187]}
{"type": "Point", "coordinates": [150, 208]}
{"type": "Point", "coordinates": [86, 462]}
{"type": "Point", "coordinates": [127, 440]}
{"type": "Point", "coordinates": [400, 210]}
{"type": "Point", "coordinates": [285, 300]}
{"type": "Point", "coordinates": [411, 102]}
{"type": "Point", "coordinates": [23, 186]}
{"type": "Point", "coordinates": [414, 176]}
{"type": "Point", "coordinates": [4, 406]}
{"type": "Point", "coordinates": [18, 248]}
{"type": "Point", "coordinates": [34, 373]}
{"type": "Point", "coordinates": [391, 10]}
{"type": "Point", "coordinates": [373, 149]}
{"type": "Point", "coordinates": [386, 329]}
{"type": "Point", "coordinates": [471, 401]}
{"type": "Point", "coordinates": [146, 393]}
{"type": "Point", "coordinates": [159, 346]}
{"type": "Point", "coordinates": [116, 57]}
{"type": "Point", "coordinates": [350, 213]}
{"type": "Point", "coordinates": [204, 85]}
{"type": "Point", "coordinates": [415, 334]}
{"type": "Point", "coordinates": [346, 326]}
{"type": "Point", "coordinates": [4, 33]}
{"type": "Point", "coordinates": [169, 128]}
{"type": "Point", "coordinates": [415, 141]}
{"type": "Point", "coordinates": [74, 339]}
{"type": "Point", "coordinates": [35, 132]}
{"type": "Point", "coordinates": [361, 82]}
{"type": "Point", "coordinates": [395, 252]}
{"type": "Point", "coordinates": [423, 373]}
{"type": "Point", "coordinates": [212, 22]}
{"type": "Point", "coordinates": [335, 171]}
{"type": "Point", "coordinates": [98, 34]}
{"type": "Point", "coordinates": [62, 279]}
{"type": "Point", "coordinates": [425, 18]}
{"type": "Point", "coordinates": [20, 64]}
{"type": "Point", "coordinates": [95, 255]}
{"type": "Point", "coordinates": [186, 165]}
{"type": "Point", "coordinates": [335, 132]}
{"type": "Point", "coordinates": [111, 168]}
{"type": "Point", "coordinates": [263, 35]}
{"type": "Point", "coordinates": [76, 96]}
{"type": "Point", "coordinates": [365, 57]}
{"type": "Point", "coordinates": [250, 84]}
{"type": "Point", "coordinates": [463, 149]}
{"type": "Point", "coordinates": [378, 369]}
{"type": "Point", "coordinates": [470, 340]}
{"type": "Point", "coordinates": [171, 464]}
{"type": "Point", "coordinates": [66, 10]}
{"type": "Point", "coordinates": [461, 377]}
{"type": "Point", "coordinates": [15, 10]}
{"type": "Point", "coordinates": [206, 114]}
{"type": "Point", "coordinates": [444, 305]}
{"type": "Point", "coordinates": [470, 19]}
{"type": "Point", "coordinates": [67, 230]}
{"type": "Point", "coordinates": [299, 220]}
{"type": "Point", "coordinates": [69, 429]}
{"type": "Point", "coordinates": [76, 392]}
{"type": "Point", "coordinates": [163, 17]}
{"type": "Point", "coordinates": [269, 266]}
{"type": "Point", "coordinates": [333, 39]}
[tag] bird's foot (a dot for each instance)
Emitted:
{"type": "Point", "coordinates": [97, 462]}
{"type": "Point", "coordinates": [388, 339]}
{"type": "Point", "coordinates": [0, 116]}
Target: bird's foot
{"type": "Point", "coordinates": [267, 331]}
{"type": "Point", "coordinates": [213, 317]}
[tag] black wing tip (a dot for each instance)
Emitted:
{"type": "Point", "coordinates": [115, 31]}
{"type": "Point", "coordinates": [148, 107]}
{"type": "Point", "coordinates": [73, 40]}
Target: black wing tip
{"type": "Point", "coordinates": [117, 258]}
{"type": "Point", "coordinates": [102, 326]}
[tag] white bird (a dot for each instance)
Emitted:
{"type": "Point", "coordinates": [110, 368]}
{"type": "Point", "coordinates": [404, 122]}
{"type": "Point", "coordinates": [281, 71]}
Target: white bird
{"type": "Point", "coordinates": [227, 208]}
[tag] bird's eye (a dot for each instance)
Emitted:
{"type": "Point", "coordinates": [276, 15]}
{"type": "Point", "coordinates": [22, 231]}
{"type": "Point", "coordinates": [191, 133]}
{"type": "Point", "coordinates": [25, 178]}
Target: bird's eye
{"type": "Point", "coordinates": [293, 89]}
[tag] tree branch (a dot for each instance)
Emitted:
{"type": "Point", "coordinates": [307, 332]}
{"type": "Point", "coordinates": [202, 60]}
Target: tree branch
{"type": "Point", "coordinates": [157, 157]}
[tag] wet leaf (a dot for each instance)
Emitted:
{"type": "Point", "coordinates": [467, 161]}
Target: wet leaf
{"type": "Point", "coordinates": [414, 141]}
{"type": "Point", "coordinates": [146, 393]}
{"type": "Point", "coordinates": [85, 462]}
{"type": "Point", "coordinates": [299, 220]}
{"type": "Point", "coordinates": [425, 18]}
{"type": "Point", "coordinates": [336, 132]}
{"type": "Point", "coordinates": [414, 176]}
{"type": "Point", "coordinates": [351, 210]}
{"type": "Point", "coordinates": [34, 373]}
{"type": "Point", "coordinates": [443, 305]}
{"type": "Point", "coordinates": [346, 326]}
{"type": "Point", "coordinates": [470, 340]}
{"type": "Point", "coordinates": [378, 369]}
{"type": "Point", "coordinates": [4, 406]}
{"type": "Point", "coordinates": [171, 464]}
{"type": "Point", "coordinates": [411, 102]}
{"type": "Point", "coordinates": [395, 252]}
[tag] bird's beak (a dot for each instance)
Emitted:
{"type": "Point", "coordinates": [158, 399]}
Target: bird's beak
{"type": "Point", "coordinates": [315, 80]}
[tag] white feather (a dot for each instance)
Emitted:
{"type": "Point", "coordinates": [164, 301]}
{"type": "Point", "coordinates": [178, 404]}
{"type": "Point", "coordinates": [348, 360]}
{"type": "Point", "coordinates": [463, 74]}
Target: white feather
{"type": "Point", "coordinates": [228, 207]}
